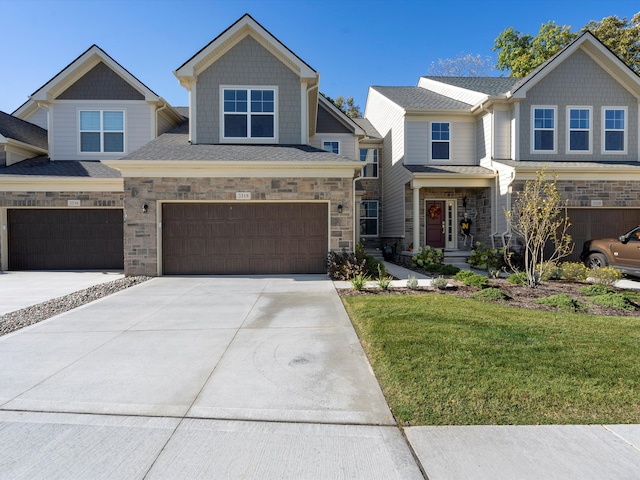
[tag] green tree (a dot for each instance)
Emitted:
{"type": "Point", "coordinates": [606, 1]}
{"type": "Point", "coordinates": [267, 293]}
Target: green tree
{"type": "Point", "coordinates": [540, 220]}
{"type": "Point", "coordinates": [520, 53]}
{"type": "Point", "coordinates": [622, 37]}
{"type": "Point", "coordinates": [346, 106]}
{"type": "Point", "coordinates": [464, 65]}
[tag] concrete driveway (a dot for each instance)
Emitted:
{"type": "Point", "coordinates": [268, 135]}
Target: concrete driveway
{"type": "Point", "coordinates": [198, 377]}
{"type": "Point", "coordinates": [19, 290]}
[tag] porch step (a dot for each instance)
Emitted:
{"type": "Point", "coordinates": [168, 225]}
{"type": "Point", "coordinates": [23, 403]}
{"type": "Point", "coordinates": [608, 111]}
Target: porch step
{"type": "Point", "coordinates": [375, 253]}
{"type": "Point", "coordinates": [457, 258]}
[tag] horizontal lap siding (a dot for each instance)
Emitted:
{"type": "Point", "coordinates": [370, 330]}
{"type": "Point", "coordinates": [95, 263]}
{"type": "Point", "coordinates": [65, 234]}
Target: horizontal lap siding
{"type": "Point", "coordinates": [244, 238]}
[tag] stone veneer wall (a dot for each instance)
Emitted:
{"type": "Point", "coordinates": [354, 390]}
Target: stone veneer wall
{"type": "Point", "coordinates": [141, 229]}
{"type": "Point", "coordinates": [59, 200]}
{"type": "Point", "coordinates": [579, 193]}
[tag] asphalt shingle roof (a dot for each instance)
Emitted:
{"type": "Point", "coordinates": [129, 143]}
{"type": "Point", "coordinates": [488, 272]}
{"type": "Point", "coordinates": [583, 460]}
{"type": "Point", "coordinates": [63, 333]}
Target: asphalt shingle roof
{"type": "Point", "coordinates": [449, 169]}
{"type": "Point", "coordinates": [368, 128]}
{"type": "Point", "coordinates": [17, 129]}
{"type": "Point", "coordinates": [416, 98]}
{"type": "Point", "coordinates": [487, 85]}
{"type": "Point", "coordinates": [43, 167]}
{"type": "Point", "coordinates": [174, 146]}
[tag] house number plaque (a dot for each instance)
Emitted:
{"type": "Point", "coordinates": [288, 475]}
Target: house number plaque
{"type": "Point", "coordinates": [243, 195]}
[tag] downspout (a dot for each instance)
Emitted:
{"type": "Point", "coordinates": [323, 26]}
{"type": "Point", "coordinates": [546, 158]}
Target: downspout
{"type": "Point", "coordinates": [508, 230]}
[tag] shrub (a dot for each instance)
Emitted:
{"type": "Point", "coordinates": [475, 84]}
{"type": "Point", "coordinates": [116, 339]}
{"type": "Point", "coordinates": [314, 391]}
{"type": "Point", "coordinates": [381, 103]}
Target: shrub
{"type": "Point", "coordinates": [491, 294]}
{"type": "Point", "coordinates": [359, 281]}
{"type": "Point", "coordinates": [412, 282]}
{"type": "Point", "coordinates": [548, 271]}
{"type": "Point", "coordinates": [563, 301]}
{"type": "Point", "coordinates": [447, 270]}
{"type": "Point", "coordinates": [472, 279]}
{"type": "Point", "coordinates": [518, 278]}
{"type": "Point", "coordinates": [604, 275]}
{"type": "Point", "coordinates": [613, 300]}
{"type": "Point", "coordinates": [428, 256]}
{"type": "Point", "coordinates": [372, 266]}
{"type": "Point", "coordinates": [573, 271]}
{"type": "Point", "coordinates": [440, 283]}
{"type": "Point", "coordinates": [384, 280]}
{"type": "Point", "coordinates": [487, 258]}
{"type": "Point", "coordinates": [344, 266]}
{"type": "Point", "coordinates": [593, 290]}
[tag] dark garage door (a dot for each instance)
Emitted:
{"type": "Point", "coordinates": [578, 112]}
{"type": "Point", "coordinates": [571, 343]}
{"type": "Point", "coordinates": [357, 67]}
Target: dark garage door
{"type": "Point", "coordinates": [65, 239]}
{"type": "Point", "coordinates": [249, 238]}
{"type": "Point", "coordinates": [589, 223]}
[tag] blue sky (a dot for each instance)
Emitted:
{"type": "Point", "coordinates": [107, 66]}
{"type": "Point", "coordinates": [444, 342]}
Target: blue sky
{"type": "Point", "coordinates": [352, 43]}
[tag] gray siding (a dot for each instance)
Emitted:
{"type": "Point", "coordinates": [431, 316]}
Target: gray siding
{"type": "Point", "coordinates": [347, 143]}
{"type": "Point", "coordinates": [462, 146]}
{"type": "Point", "coordinates": [578, 81]}
{"type": "Point", "coordinates": [39, 117]}
{"type": "Point", "coordinates": [248, 64]}
{"type": "Point", "coordinates": [327, 123]}
{"type": "Point", "coordinates": [101, 83]}
{"type": "Point", "coordinates": [163, 125]}
{"type": "Point", "coordinates": [138, 128]}
{"type": "Point", "coordinates": [501, 134]}
{"type": "Point", "coordinates": [483, 140]}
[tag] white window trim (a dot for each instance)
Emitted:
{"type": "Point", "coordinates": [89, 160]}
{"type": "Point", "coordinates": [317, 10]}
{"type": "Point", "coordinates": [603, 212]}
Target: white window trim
{"type": "Point", "coordinates": [555, 129]}
{"type": "Point", "coordinates": [260, 140]}
{"type": "Point", "coordinates": [102, 153]}
{"type": "Point", "coordinates": [431, 141]}
{"type": "Point", "coordinates": [377, 163]}
{"type": "Point", "coordinates": [604, 131]}
{"type": "Point", "coordinates": [332, 140]}
{"type": "Point", "coordinates": [377, 218]}
{"type": "Point", "coordinates": [589, 151]}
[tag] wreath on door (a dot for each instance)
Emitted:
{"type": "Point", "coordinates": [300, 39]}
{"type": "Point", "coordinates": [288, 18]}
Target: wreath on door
{"type": "Point", "coordinates": [435, 211]}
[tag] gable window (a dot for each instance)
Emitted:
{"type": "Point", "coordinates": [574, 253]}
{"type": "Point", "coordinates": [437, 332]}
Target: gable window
{"type": "Point", "coordinates": [102, 131]}
{"type": "Point", "coordinates": [370, 156]}
{"type": "Point", "coordinates": [369, 218]}
{"type": "Point", "coordinates": [544, 129]}
{"type": "Point", "coordinates": [249, 113]}
{"type": "Point", "coordinates": [614, 136]}
{"type": "Point", "coordinates": [440, 138]}
{"type": "Point", "coordinates": [331, 146]}
{"type": "Point", "coordinates": [579, 130]}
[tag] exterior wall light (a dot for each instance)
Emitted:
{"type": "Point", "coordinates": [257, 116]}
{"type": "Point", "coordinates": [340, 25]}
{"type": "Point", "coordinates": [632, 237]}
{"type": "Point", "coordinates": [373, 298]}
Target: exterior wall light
{"type": "Point", "coordinates": [340, 208]}
{"type": "Point", "coordinates": [145, 208]}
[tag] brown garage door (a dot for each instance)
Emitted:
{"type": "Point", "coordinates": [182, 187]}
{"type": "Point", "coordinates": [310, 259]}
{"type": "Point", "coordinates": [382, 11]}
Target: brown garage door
{"type": "Point", "coordinates": [589, 223]}
{"type": "Point", "coordinates": [65, 239]}
{"type": "Point", "coordinates": [246, 238]}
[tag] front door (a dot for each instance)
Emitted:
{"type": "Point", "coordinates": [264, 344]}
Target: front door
{"type": "Point", "coordinates": [435, 223]}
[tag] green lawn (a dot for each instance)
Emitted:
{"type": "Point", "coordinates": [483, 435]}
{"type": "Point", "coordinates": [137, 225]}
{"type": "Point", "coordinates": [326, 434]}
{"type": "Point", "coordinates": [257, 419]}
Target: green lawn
{"type": "Point", "coordinates": [443, 360]}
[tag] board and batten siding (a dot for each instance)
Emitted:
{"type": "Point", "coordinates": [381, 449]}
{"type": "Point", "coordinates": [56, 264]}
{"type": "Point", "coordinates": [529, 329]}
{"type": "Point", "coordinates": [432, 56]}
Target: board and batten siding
{"type": "Point", "coordinates": [417, 145]}
{"type": "Point", "coordinates": [566, 86]}
{"type": "Point", "coordinates": [388, 119]}
{"type": "Point", "coordinates": [65, 127]}
{"type": "Point", "coordinates": [348, 147]}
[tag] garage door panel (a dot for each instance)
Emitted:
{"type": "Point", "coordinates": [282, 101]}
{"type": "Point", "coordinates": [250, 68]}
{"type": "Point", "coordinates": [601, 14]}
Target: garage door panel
{"type": "Point", "coordinates": [257, 238]}
{"type": "Point", "coordinates": [588, 223]}
{"type": "Point", "coordinates": [65, 239]}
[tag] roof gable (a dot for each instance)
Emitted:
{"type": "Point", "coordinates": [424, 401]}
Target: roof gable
{"type": "Point", "coordinates": [598, 52]}
{"type": "Point", "coordinates": [77, 69]}
{"type": "Point", "coordinates": [327, 111]}
{"type": "Point", "coordinates": [101, 83]}
{"type": "Point", "coordinates": [245, 26]}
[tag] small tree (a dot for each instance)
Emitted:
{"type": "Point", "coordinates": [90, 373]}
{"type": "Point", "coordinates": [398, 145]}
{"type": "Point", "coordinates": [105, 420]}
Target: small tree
{"type": "Point", "coordinates": [540, 220]}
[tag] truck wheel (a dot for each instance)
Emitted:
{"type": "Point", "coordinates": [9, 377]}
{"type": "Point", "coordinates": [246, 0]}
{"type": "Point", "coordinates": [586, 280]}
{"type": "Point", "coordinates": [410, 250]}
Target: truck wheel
{"type": "Point", "coordinates": [596, 260]}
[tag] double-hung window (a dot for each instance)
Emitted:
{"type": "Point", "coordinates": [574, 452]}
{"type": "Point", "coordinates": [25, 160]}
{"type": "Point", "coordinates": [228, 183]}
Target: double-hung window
{"type": "Point", "coordinates": [370, 157]}
{"type": "Point", "coordinates": [544, 130]}
{"type": "Point", "coordinates": [249, 113]}
{"type": "Point", "coordinates": [614, 132]}
{"type": "Point", "coordinates": [369, 218]}
{"type": "Point", "coordinates": [579, 129]}
{"type": "Point", "coordinates": [102, 131]}
{"type": "Point", "coordinates": [440, 139]}
{"type": "Point", "coordinates": [331, 146]}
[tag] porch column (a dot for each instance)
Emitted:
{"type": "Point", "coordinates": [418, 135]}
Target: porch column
{"type": "Point", "coordinates": [416, 218]}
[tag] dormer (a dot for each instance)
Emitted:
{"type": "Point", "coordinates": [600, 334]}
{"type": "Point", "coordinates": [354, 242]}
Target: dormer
{"type": "Point", "coordinates": [246, 87]}
{"type": "Point", "coordinates": [95, 109]}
